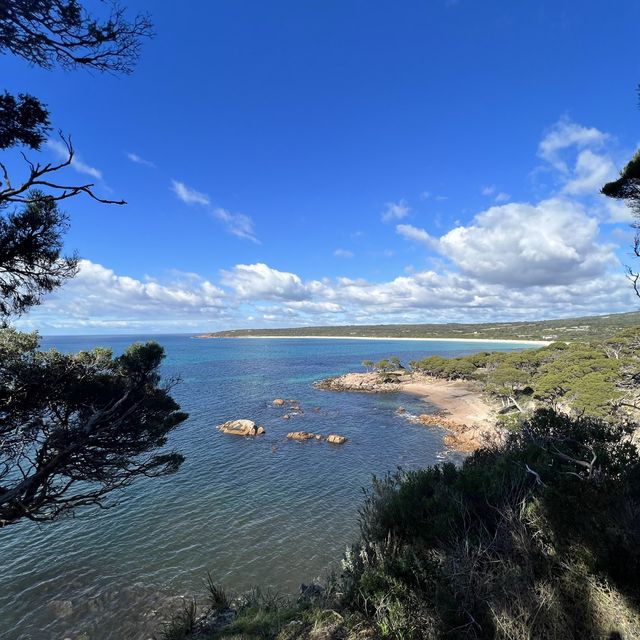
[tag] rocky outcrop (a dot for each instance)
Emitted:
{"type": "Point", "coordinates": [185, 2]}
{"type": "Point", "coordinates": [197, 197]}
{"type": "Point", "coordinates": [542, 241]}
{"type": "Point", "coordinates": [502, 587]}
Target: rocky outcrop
{"type": "Point", "coordinates": [462, 437]}
{"type": "Point", "coordinates": [241, 428]}
{"type": "Point", "coordinates": [303, 435]}
{"type": "Point", "coordinates": [336, 439]}
{"type": "Point", "coordinates": [278, 402]}
{"type": "Point", "coordinates": [364, 382]}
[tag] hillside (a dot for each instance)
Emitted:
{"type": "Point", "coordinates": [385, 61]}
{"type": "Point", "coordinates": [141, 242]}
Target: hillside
{"type": "Point", "coordinates": [564, 329]}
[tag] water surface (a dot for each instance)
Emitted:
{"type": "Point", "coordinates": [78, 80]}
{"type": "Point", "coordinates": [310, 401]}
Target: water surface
{"type": "Point", "coordinates": [251, 511]}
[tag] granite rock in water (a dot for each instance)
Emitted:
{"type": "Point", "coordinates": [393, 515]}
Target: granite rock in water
{"type": "Point", "coordinates": [300, 435]}
{"type": "Point", "coordinates": [241, 428]}
{"type": "Point", "coordinates": [336, 439]}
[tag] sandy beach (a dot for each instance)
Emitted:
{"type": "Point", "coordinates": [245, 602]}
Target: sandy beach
{"type": "Point", "coordinates": [462, 409]}
{"type": "Point", "coordinates": [541, 343]}
{"type": "Point", "coordinates": [457, 399]}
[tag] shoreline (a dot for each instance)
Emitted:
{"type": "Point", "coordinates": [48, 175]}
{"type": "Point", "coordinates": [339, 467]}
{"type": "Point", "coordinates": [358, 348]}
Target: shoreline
{"type": "Point", "coordinates": [462, 409]}
{"type": "Point", "coordinates": [542, 343]}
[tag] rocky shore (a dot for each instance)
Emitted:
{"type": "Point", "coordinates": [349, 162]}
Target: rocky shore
{"type": "Point", "coordinates": [462, 410]}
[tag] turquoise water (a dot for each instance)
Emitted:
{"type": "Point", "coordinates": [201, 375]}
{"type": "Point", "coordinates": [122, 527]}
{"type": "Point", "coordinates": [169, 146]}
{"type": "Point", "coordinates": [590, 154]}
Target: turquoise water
{"type": "Point", "coordinates": [251, 511]}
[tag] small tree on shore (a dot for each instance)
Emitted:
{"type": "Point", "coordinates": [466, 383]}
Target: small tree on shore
{"type": "Point", "coordinates": [368, 364]}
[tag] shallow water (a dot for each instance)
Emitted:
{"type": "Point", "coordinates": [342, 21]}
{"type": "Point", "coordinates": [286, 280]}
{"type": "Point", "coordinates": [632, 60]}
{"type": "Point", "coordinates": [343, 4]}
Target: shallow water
{"type": "Point", "coordinates": [251, 511]}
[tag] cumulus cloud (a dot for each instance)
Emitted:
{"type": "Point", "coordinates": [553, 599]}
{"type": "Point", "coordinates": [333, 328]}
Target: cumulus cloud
{"type": "Point", "coordinates": [395, 211]}
{"type": "Point", "coordinates": [236, 224]}
{"type": "Point", "coordinates": [98, 297]}
{"type": "Point", "coordinates": [550, 243]}
{"type": "Point", "coordinates": [415, 234]}
{"type": "Point", "coordinates": [189, 195]}
{"type": "Point", "coordinates": [134, 157]}
{"type": "Point", "coordinates": [60, 149]}
{"type": "Point", "coordinates": [261, 282]}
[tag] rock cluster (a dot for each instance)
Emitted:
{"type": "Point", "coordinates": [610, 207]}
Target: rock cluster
{"type": "Point", "coordinates": [293, 407]}
{"type": "Point", "coordinates": [462, 437]}
{"type": "Point", "coordinates": [363, 382]}
{"type": "Point", "coordinates": [241, 428]}
{"type": "Point", "coordinates": [304, 435]}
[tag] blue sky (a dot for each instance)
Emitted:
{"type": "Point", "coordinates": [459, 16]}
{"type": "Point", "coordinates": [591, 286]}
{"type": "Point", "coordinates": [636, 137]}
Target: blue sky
{"type": "Point", "coordinates": [324, 162]}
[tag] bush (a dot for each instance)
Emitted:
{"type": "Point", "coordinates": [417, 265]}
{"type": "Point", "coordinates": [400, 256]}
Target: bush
{"type": "Point", "coordinates": [539, 539]}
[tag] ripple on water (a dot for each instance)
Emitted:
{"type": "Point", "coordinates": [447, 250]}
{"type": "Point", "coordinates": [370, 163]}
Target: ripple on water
{"type": "Point", "coordinates": [252, 511]}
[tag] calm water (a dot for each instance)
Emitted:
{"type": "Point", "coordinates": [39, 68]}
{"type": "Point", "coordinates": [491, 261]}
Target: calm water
{"type": "Point", "coordinates": [251, 511]}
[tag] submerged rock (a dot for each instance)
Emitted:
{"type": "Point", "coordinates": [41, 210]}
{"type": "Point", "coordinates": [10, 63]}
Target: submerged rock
{"type": "Point", "coordinates": [241, 428]}
{"type": "Point", "coordinates": [336, 439]}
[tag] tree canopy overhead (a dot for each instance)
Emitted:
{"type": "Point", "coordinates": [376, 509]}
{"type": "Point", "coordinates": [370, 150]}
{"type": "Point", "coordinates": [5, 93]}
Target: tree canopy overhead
{"type": "Point", "coordinates": [23, 120]}
{"type": "Point", "coordinates": [46, 32]}
{"type": "Point", "coordinates": [31, 260]}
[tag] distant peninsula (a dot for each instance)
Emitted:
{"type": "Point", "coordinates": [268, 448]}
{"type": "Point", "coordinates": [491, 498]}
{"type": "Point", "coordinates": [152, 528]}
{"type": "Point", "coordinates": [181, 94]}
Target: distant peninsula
{"type": "Point", "coordinates": [566, 329]}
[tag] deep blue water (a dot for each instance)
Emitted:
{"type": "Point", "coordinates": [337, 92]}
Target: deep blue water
{"type": "Point", "coordinates": [251, 511]}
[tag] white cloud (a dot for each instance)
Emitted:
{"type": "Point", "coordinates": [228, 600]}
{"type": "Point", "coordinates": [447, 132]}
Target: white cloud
{"type": "Point", "coordinates": [61, 150]}
{"type": "Point", "coordinates": [519, 244]}
{"type": "Point", "coordinates": [617, 211]}
{"type": "Point", "coordinates": [395, 210]}
{"type": "Point", "coordinates": [134, 157]}
{"type": "Point", "coordinates": [237, 224]}
{"type": "Point", "coordinates": [502, 197]}
{"type": "Point", "coordinates": [343, 253]}
{"type": "Point", "coordinates": [564, 134]}
{"type": "Point", "coordinates": [591, 172]}
{"type": "Point", "coordinates": [415, 234]}
{"type": "Point", "coordinates": [488, 190]}
{"type": "Point", "coordinates": [99, 298]}
{"type": "Point", "coordinates": [261, 282]}
{"type": "Point", "coordinates": [189, 195]}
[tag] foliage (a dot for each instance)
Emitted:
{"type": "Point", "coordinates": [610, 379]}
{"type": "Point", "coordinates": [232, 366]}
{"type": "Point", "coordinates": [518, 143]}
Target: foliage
{"type": "Point", "coordinates": [45, 32]}
{"type": "Point", "coordinates": [23, 120]}
{"type": "Point", "coordinates": [74, 428]}
{"type": "Point", "coordinates": [590, 378]}
{"type": "Point", "coordinates": [627, 186]}
{"type": "Point", "coordinates": [538, 539]}
{"type": "Point", "coordinates": [31, 260]}
{"type": "Point", "coordinates": [581, 328]}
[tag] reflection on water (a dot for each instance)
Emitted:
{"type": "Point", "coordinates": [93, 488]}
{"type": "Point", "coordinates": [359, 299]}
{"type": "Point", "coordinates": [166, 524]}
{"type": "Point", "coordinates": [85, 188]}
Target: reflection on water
{"type": "Point", "coordinates": [251, 511]}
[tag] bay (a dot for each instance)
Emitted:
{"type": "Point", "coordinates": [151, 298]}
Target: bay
{"type": "Point", "coordinates": [261, 511]}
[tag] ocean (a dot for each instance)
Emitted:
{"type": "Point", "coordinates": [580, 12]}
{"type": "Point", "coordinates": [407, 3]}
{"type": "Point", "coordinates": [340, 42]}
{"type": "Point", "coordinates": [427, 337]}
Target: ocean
{"type": "Point", "coordinates": [262, 511]}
